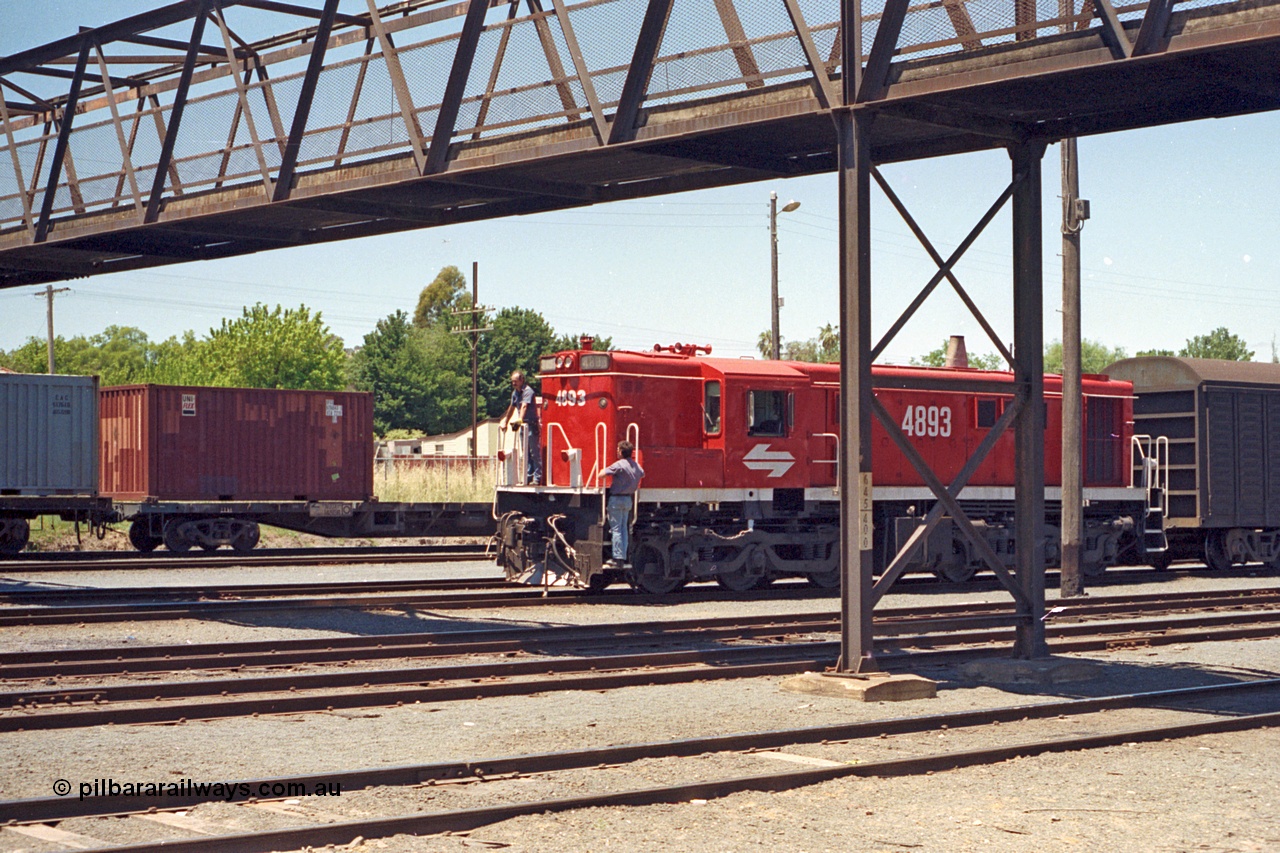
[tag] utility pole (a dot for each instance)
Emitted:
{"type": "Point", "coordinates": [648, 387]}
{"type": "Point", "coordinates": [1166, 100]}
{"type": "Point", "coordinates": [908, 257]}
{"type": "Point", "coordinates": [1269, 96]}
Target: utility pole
{"type": "Point", "coordinates": [1075, 211]}
{"type": "Point", "coordinates": [48, 294]}
{"type": "Point", "coordinates": [774, 302]}
{"type": "Point", "coordinates": [473, 328]}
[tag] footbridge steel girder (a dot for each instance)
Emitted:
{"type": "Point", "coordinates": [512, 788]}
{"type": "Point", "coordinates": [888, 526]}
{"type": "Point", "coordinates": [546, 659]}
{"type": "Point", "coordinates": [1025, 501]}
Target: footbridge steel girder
{"type": "Point", "coordinates": [468, 109]}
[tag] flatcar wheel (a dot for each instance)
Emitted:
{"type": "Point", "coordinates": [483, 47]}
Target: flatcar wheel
{"type": "Point", "coordinates": [14, 535]}
{"type": "Point", "coordinates": [1215, 551]}
{"type": "Point", "coordinates": [247, 538]}
{"type": "Point", "coordinates": [140, 537]}
{"type": "Point", "coordinates": [649, 572]}
{"type": "Point", "coordinates": [174, 539]}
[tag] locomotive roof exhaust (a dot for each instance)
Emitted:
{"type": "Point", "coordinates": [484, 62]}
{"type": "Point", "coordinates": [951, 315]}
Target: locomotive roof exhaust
{"type": "Point", "coordinates": [957, 355]}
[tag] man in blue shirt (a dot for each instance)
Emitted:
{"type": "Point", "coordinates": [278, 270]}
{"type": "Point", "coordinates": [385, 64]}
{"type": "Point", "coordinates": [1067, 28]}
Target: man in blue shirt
{"type": "Point", "coordinates": [523, 411]}
{"type": "Point", "coordinates": [626, 474]}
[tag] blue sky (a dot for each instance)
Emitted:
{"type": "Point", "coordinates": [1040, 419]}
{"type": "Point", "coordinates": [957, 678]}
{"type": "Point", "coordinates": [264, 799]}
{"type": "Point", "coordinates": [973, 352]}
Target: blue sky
{"type": "Point", "coordinates": [1183, 239]}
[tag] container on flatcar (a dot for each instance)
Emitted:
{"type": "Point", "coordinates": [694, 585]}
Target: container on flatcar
{"type": "Point", "coordinates": [172, 443]}
{"type": "Point", "coordinates": [48, 434]}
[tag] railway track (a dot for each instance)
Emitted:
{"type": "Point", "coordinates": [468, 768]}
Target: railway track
{"type": "Point", "coordinates": [610, 668]}
{"type": "Point", "coordinates": [182, 602]}
{"type": "Point", "coordinates": [889, 622]}
{"type": "Point", "coordinates": [608, 774]}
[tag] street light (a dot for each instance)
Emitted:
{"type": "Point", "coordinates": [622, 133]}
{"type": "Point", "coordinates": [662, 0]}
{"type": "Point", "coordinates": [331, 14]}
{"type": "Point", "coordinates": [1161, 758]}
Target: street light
{"type": "Point", "coordinates": [775, 302]}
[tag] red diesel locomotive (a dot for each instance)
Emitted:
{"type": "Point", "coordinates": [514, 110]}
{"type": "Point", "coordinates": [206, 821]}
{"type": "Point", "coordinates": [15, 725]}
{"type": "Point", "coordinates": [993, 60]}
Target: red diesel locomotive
{"type": "Point", "coordinates": [741, 458]}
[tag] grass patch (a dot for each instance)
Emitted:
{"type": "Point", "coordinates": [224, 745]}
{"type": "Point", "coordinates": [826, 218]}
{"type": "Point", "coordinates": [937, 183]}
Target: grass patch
{"type": "Point", "coordinates": [429, 481]}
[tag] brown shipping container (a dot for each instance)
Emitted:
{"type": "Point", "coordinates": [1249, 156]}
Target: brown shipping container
{"type": "Point", "coordinates": [162, 442]}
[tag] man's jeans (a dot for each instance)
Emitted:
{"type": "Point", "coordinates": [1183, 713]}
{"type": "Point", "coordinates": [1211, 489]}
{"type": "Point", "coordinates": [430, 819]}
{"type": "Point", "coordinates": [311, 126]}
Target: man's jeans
{"type": "Point", "coordinates": [619, 516]}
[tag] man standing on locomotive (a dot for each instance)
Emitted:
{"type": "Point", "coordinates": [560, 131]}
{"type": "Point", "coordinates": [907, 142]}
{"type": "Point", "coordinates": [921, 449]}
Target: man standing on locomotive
{"type": "Point", "coordinates": [523, 411]}
{"type": "Point", "coordinates": [626, 474]}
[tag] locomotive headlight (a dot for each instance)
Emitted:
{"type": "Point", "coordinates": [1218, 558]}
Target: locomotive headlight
{"type": "Point", "coordinates": [559, 362]}
{"type": "Point", "coordinates": [604, 404]}
{"type": "Point", "coordinates": [568, 362]}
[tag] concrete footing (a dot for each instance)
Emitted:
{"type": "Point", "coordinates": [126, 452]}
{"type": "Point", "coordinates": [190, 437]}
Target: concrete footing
{"type": "Point", "coordinates": [869, 687]}
{"type": "Point", "coordinates": [1050, 670]}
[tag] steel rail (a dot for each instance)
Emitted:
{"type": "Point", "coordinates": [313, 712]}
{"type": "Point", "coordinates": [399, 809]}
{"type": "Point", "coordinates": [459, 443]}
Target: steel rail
{"type": "Point", "coordinates": [504, 596]}
{"type": "Point", "coordinates": [84, 561]}
{"type": "Point", "coordinates": [453, 644]}
{"type": "Point", "coordinates": [231, 592]}
{"type": "Point", "coordinates": [507, 597]}
{"type": "Point", "coordinates": [42, 809]}
{"type": "Point", "coordinates": [483, 681]}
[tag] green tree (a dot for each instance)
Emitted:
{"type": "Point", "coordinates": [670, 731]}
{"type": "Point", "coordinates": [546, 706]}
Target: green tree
{"type": "Point", "coordinates": [439, 299]}
{"type": "Point", "coordinates": [416, 377]}
{"type": "Point", "coordinates": [518, 339]}
{"type": "Point", "coordinates": [764, 343]}
{"type": "Point", "coordinates": [1219, 343]}
{"type": "Point", "coordinates": [118, 355]}
{"type": "Point", "coordinates": [1145, 353]}
{"type": "Point", "coordinates": [938, 357]}
{"type": "Point", "coordinates": [275, 348]}
{"type": "Point", "coordinates": [1094, 356]}
{"type": "Point", "coordinates": [568, 342]}
{"type": "Point", "coordinates": [825, 347]}
{"type": "Point", "coordinates": [180, 361]}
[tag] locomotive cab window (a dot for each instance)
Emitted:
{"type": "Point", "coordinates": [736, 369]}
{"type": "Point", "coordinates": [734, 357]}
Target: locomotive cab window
{"type": "Point", "coordinates": [711, 407]}
{"type": "Point", "coordinates": [767, 413]}
{"type": "Point", "coordinates": [986, 413]}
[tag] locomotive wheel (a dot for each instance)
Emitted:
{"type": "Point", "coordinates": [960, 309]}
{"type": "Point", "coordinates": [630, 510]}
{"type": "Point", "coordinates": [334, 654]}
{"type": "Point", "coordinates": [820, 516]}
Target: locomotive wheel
{"type": "Point", "coordinates": [958, 569]}
{"type": "Point", "coordinates": [14, 535]}
{"type": "Point", "coordinates": [955, 572]}
{"type": "Point", "coordinates": [247, 539]}
{"type": "Point", "coordinates": [740, 580]}
{"type": "Point", "coordinates": [140, 537]}
{"type": "Point", "coordinates": [649, 572]}
{"type": "Point", "coordinates": [824, 580]}
{"type": "Point", "coordinates": [1216, 556]}
{"type": "Point", "coordinates": [1093, 568]}
{"type": "Point", "coordinates": [174, 539]}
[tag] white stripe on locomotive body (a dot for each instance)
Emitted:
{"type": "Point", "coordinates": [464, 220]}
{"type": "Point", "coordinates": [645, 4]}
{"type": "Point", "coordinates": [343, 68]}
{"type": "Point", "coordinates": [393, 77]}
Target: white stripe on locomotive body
{"type": "Point", "coordinates": [880, 493]}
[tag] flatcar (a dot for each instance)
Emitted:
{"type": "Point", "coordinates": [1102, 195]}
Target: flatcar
{"type": "Point", "coordinates": [190, 467]}
{"type": "Point", "coordinates": [1214, 455]}
{"type": "Point", "coordinates": [741, 470]}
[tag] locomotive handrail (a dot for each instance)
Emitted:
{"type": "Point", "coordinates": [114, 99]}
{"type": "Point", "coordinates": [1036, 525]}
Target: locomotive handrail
{"type": "Point", "coordinates": [602, 441]}
{"type": "Point", "coordinates": [836, 462]}
{"type": "Point", "coordinates": [1153, 465]}
{"type": "Point", "coordinates": [550, 441]}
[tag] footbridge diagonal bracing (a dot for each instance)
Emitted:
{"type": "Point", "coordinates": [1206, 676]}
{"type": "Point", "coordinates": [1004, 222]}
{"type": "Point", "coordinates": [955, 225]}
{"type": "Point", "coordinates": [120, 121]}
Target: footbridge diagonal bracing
{"type": "Point", "coordinates": [212, 128]}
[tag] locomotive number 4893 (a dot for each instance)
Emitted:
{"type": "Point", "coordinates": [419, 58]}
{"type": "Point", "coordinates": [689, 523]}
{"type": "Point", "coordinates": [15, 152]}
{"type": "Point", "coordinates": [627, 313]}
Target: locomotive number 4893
{"type": "Point", "coordinates": [931, 421]}
{"type": "Point", "coordinates": [571, 398]}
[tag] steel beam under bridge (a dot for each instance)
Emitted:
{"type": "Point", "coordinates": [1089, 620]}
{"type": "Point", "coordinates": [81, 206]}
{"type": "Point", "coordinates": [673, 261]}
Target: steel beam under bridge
{"type": "Point", "coordinates": [167, 137]}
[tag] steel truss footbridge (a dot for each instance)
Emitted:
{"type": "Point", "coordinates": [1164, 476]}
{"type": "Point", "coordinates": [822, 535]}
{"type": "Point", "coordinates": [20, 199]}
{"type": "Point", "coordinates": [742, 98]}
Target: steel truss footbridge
{"type": "Point", "coordinates": [184, 134]}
